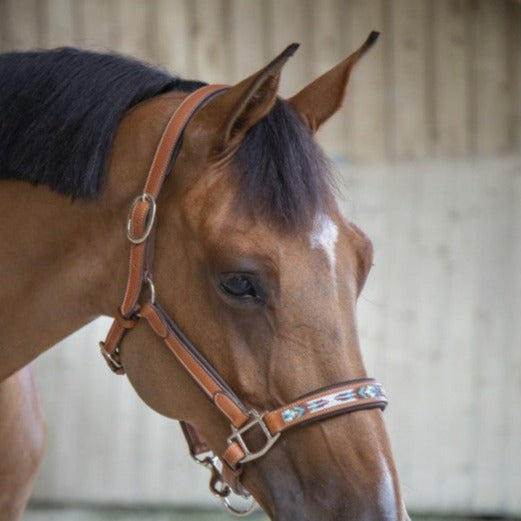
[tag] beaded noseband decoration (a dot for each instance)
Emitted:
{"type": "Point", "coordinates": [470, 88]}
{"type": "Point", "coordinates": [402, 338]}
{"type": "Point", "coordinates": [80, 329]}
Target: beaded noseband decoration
{"type": "Point", "coordinates": [336, 399]}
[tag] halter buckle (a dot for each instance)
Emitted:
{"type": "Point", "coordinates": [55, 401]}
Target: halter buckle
{"type": "Point", "coordinates": [113, 363]}
{"type": "Point", "coordinates": [151, 215]}
{"type": "Point", "coordinates": [237, 437]}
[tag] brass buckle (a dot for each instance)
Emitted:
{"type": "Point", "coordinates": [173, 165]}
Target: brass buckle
{"type": "Point", "coordinates": [237, 436]}
{"type": "Point", "coordinates": [150, 218]}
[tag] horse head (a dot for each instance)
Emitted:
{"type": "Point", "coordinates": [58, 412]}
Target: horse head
{"type": "Point", "coordinates": [258, 268]}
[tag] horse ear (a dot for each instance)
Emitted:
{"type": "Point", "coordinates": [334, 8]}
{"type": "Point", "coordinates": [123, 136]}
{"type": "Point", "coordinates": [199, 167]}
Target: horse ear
{"type": "Point", "coordinates": [319, 100]}
{"type": "Point", "coordinates": [243, 105]}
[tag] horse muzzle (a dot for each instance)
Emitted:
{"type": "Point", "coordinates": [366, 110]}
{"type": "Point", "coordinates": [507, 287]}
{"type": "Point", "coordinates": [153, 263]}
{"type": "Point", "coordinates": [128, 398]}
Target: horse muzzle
{"type": "Point", "coordinates": [337, 470]}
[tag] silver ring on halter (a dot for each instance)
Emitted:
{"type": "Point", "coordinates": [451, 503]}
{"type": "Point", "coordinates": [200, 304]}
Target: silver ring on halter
{"type": "Point", "coordinates": [151, 216]}
{"type": "Point", "coordinates": [237, 512]}
{"type": "Point", "coordinates": [151, 289]}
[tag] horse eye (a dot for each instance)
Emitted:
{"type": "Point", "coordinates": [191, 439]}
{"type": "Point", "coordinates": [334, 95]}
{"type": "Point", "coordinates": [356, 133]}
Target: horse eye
{"type": "Point", "coordinates": [238, 286]}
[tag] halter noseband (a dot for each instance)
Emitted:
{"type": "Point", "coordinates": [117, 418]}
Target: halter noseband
{"type": "Point", "coordinates": [340, 398]}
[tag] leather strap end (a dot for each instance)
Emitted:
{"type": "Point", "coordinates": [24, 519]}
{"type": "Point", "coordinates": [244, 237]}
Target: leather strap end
{"type": "Point", "coordinates": [153, 317]}
{"type": "Point", "coordinates": [125, 323]}
{"type": "Point", "coordinates": [233, 455]}
{"type": "Point", "coordinates": [233, 478]}
{"type": "Point", "coordinates": [196, 444]}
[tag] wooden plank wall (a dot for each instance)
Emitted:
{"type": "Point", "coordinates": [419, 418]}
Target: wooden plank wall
{"type": "Point", "coordinates": [427, 148]}
{"type": "Point", "coordinates": [443, 81]}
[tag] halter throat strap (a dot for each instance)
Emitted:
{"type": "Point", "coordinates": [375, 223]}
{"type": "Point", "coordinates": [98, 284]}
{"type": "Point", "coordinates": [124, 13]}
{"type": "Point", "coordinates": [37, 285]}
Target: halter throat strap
{"type": "Point", "coordinates": [329, 401]}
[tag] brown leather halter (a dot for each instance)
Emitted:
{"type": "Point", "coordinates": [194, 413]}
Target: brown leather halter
{"type": "Point", "coordinates": [340, 398]}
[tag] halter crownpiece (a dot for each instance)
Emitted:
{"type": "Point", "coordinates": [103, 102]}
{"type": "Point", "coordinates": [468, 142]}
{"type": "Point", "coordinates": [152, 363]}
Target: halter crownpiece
{"type": "Point", "coordinates": [340, 398]}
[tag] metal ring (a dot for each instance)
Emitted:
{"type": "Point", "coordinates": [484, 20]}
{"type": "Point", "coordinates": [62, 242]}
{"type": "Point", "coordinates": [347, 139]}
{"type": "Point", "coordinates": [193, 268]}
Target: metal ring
{"type": "Point", "coordinates": [150, 218]}
{"type": "Point", "coordinates": [237, 512]}
{"type": "Point", "coordinates": [237, 436]}
{"type": "Point", "coordinates": [151, 289]}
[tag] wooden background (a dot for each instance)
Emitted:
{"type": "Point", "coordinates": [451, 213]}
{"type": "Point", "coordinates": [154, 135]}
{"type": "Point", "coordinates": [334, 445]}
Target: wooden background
{"type": "Point", "coordinates": [443, 81]}
{"type": "Point", "coordinates": [428, 153]}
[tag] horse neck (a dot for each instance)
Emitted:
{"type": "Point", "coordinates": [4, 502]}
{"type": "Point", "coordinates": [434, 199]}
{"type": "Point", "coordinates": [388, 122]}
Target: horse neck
{"type": "Point", "coordinates": [50, 271]}
{"type": "Point", "coordinates": [64, 262]}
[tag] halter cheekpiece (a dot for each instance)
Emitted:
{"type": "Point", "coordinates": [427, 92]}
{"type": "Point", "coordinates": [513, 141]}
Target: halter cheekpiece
{"type": "Point", "coordinates": [340, 398]}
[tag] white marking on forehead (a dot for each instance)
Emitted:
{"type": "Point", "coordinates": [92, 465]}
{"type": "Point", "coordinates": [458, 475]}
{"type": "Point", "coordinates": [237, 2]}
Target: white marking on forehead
{"type": "Point", "coordinates": [325, 235]}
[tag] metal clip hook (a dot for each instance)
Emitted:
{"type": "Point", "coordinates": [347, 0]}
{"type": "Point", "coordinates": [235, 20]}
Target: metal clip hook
{"type": "Point", "coordinates": [219, 488]}
{"type": "Point", "coordinates": [217, 485]}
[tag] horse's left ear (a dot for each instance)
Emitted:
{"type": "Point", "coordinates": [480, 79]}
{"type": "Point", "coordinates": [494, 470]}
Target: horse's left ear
{"type": "Point", "coordinates": [319, 100]}
{"type": "Point", "coordinates": [231, 114]}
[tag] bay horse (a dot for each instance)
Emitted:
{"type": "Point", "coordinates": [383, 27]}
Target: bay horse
{"type": "Point", "coordinates": [238, 313]}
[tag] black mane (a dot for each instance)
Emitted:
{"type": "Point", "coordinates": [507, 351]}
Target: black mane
{"type": "Point", "coordinates": [59, 111]}
{"type": "Point", "coordinates": [284, 173]}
